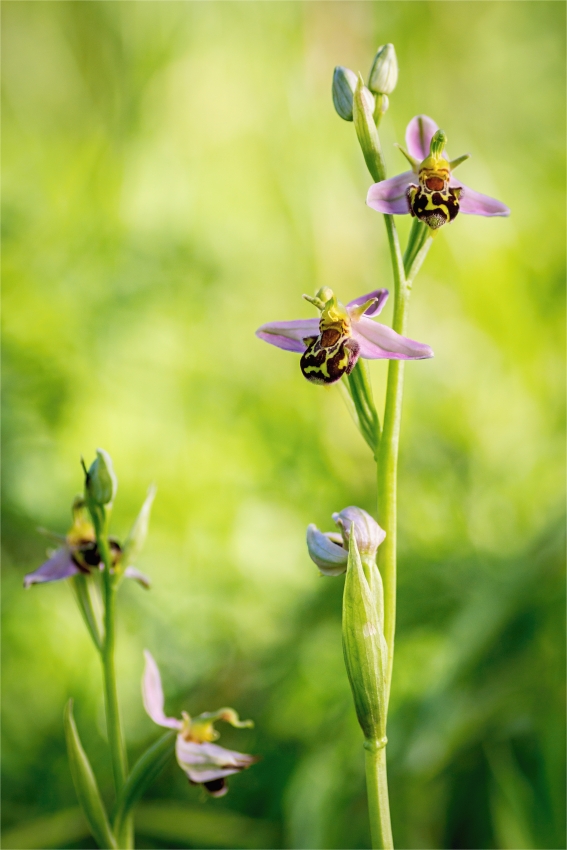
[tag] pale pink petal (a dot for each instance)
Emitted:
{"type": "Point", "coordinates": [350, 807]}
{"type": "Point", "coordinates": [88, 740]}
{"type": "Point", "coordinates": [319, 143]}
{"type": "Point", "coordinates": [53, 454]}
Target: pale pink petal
{"type": "Point", "coordinates": [380, 296]}
{"type": "Point", "coordinates": [141, 578]}
{"type": "Point", "coordinates": [289, 335]}
{"type": "Point", "coordinates": [473, 203]}
{"type": "Point", "coordinates": [326, 550]}
{"type": "Point", "coordinates": [61, 565]}
{"type": "Point", "coordinates": [389, 196]}
{"type": "Point", "coordinates": [419, 133]}
{"type": "Point", "coordinates": [152, 695]}
{"type": "Point", "coordinates": [378, 342]}
{"type": "Point", "coordinates": [206, 762]}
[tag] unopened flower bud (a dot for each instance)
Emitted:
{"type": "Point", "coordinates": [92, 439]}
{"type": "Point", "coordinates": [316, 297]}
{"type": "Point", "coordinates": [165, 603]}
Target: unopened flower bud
{"type": "Point", "coordinates": [384, 71]}
{"type": "Point", "coordinates": [344, 86]}
{"type": "Point", "coordinates": [368, 533]}
{"type": "Point", "coordinates": [100, 482]}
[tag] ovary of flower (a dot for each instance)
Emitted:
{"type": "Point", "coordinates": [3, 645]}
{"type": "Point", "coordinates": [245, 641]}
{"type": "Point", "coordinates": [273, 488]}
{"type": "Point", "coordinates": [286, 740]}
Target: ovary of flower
{"type": "Point", "coordinates": [203, 762]}
{"type": "Point", "coordinates": [429, 191]}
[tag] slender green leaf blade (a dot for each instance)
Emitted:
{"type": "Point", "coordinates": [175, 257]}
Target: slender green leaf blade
{"type": "Point", "coordinates": [142, 775]}
{"type": "Point", "coordinates": [85, 784]}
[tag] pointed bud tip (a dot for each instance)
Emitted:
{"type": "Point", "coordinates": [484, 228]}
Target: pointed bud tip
{"type": "Point", "coordinates": [100, 480]}
{"type": "Point", "coordinates": [384, 72]}
{"type": "Point", "coordinates": [344, 85]}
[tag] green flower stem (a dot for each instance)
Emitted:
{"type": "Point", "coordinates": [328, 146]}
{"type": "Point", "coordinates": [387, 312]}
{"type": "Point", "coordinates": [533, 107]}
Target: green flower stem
{"type": "Point", "coordinates": [404, 271]}
{"type": "Point", "coordinates": [377, 788]}
{"type": "Point", "coordinates": [387, 480]}
{"type": "Point", "coordinates": [115, 738]}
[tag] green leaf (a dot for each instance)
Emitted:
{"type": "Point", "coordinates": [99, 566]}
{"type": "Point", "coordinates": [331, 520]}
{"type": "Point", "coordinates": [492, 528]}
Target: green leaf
{"type": "Point", "coordinates": [142, 775]}
{"type": "Point", "coordinates": [85, 784]}
{"type": "Point", "coordinates": [60, 829]}
{"type": "Point", "coordinates": [189, 826]}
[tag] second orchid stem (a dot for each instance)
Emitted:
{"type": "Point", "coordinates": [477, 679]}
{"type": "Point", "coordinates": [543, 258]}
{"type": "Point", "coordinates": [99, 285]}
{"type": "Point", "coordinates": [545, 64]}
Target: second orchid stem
{"type": "Point", "coordinates": [115, 738]}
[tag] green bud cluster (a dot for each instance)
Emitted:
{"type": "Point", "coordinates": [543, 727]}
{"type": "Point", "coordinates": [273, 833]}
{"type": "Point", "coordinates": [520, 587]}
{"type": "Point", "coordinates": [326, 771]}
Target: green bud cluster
{"type": "Point", "coordinates": [382, 82]}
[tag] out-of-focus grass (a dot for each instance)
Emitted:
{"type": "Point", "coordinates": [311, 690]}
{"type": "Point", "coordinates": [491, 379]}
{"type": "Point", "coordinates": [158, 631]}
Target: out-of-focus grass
{"type": "Point", "coordinates": [173, 176]}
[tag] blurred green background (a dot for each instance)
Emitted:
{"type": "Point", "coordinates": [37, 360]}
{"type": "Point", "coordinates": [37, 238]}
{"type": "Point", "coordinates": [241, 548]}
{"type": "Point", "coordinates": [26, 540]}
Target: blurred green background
{"type": "Point", "coordinates": [174, 175]}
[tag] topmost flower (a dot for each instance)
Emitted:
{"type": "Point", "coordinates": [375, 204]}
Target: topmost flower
{"type": "Point", "coordinates": [437, 197]}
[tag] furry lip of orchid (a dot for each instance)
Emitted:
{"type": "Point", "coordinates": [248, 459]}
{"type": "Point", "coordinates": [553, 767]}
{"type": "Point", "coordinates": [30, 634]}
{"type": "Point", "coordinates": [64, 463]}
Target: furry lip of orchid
{"type": "Point", "coordinates": [203, 762]}
{"type": "Point", "coordinates": [429, 191]}
{"type": "Point", "coordinates": [331, 345]}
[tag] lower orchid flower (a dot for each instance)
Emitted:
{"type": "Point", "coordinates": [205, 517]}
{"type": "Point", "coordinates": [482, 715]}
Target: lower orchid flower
{"type": "Point", "coordinates": [203, 762]}
{"type": "Point", "coordinates": [429, 191]}
{"type": "Point", "coordinates": [79, 553]}
{"type": "Point", "coordinates": [331, 345]}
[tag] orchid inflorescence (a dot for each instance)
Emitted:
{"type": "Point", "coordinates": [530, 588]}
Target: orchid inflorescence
{"type": "Point", "coordinates": [333, 348]}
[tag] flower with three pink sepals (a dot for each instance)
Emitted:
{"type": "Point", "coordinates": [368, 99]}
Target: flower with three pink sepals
{"type": "Point", "coordinates": [331, 345]}
{"type": "Point", "coordinates": [203, 762]}
{"type": "Point", "coordinates": [430, 191]}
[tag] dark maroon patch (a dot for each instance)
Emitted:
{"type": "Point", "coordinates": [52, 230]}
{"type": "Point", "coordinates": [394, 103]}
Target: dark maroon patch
{"type": "Point", "coordinates": [329, 337]}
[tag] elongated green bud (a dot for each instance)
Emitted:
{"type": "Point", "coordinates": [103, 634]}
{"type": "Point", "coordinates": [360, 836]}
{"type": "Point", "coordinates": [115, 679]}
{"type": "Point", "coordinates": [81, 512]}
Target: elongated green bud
{"type": "Point", "coordinates": [363, 116]}
{"type": "Point", "coordinates": [100, 481]}
{"type": "Point", "coordinates": [85, 784]}
{"type": "Point", "coordinates": [384, 71]}
{"type": "Point", "coordinates": [364, 646]}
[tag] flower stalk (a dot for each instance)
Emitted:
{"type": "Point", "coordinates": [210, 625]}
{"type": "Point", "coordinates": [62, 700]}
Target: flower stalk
{"type": "Point", "coordinates": [100, 489]}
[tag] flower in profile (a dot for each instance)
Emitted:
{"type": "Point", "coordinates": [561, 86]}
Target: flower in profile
{"type": "Point", "coordinates": [79, 553]}
{"type": "Point", "coordinates": [331, 345]}
{"type": "Point", "coordinates": [329, 549]}
{"type": "Point", "coordinates": [204, 763]}
{"type": "Point", "coordinates": [429, 191]}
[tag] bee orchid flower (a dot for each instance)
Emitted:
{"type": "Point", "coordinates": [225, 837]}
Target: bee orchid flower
{"type": "Point", "coordinates": [429, 191]}
{"type": "Point", "coordinates": [203, 762]}
{"type": "Point", "coordinates": [331, 345]}
{"type": "Point", "coordinates": [79, 553]}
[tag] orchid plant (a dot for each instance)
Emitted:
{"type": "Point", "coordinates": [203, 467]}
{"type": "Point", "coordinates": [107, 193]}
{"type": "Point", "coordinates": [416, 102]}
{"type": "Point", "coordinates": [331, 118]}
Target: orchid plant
{"type": "Point", "coordinates": [94, 563]}
{"type": "Point", "coordinates": [333, 349]}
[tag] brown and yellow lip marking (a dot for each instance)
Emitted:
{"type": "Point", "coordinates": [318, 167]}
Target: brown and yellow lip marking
{"type": "Point", "coordinates": [434, 207]}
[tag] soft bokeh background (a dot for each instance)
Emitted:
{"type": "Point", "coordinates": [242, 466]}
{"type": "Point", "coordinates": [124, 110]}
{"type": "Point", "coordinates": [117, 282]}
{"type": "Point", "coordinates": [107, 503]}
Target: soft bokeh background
{"type": "Point", "coordinates": [174, 175]}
